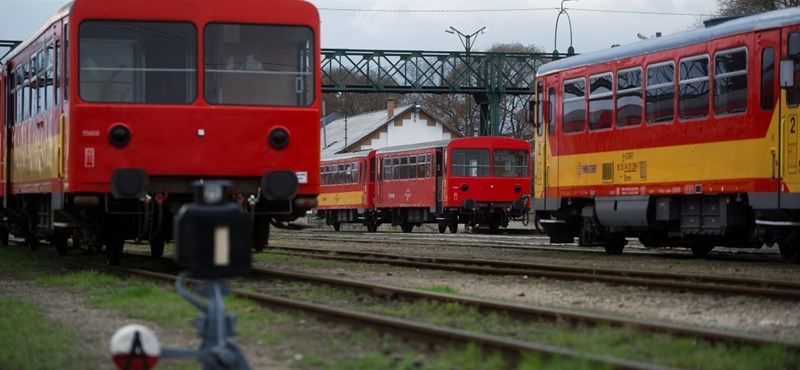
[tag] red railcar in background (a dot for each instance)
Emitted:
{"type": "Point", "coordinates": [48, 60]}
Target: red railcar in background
{"type": "Point", "coordinates": [112, 109]}
{"type": "Point", "coordinates": [480, 181]}
{"type": "Point", "coordinates": [347, 192]}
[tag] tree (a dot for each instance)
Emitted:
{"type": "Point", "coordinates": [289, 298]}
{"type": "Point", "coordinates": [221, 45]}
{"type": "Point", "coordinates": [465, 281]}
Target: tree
{"type": "Point", "coordinates": [741, 7]}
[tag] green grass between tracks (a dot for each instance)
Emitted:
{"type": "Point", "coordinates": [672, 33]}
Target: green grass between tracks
{"type": "Point", "coordinates": [291, 337]}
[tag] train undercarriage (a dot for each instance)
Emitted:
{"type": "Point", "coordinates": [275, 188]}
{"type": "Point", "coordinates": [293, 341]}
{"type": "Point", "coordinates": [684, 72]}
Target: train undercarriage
{"type": "Point", "coordinates": [101, 222]}
{"type": "Point", "coordinates": [490, 217]}
{"type": "Point", "coordinates": [697, 222]}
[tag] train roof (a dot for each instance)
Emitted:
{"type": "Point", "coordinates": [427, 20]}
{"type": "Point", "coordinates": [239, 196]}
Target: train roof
{"type": "Point", "coordinates": [341, 156]}
{"type": "Point", "coordinates": [61, 13]}
{"type": "Point", "coordinates": [760, 21]}
{"type": "Point", "coordinates": [426, 145]}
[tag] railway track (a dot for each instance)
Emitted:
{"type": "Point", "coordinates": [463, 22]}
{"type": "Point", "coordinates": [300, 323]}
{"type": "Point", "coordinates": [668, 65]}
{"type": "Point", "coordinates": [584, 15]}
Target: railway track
{"type": "Point", "coordinates": [536, 242]}
{"type": "Point", "coordinates": [408, 328]}
{"type": "Point", "coordinates": [699, 283]}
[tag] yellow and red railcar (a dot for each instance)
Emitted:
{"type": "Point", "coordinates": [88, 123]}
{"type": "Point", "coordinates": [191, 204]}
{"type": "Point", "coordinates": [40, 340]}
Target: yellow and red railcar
{"type": "Point", "coordinates": [112, 109]}
{"type": "Point", "coordinates": [347, 190]}
{"type": "Point", "coordinates": [683, 140]}
{"type": "Point", "coordinates": [474, 181]}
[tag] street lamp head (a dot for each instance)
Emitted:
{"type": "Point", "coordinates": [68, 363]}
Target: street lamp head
{"type": "Point", "coordinates": [450, 30]}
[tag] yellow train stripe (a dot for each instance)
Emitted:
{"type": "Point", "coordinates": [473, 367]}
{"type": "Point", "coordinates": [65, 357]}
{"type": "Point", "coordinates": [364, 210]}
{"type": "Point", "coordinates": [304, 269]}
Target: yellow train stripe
{"type": "Point", "coordinates": [351, 198]}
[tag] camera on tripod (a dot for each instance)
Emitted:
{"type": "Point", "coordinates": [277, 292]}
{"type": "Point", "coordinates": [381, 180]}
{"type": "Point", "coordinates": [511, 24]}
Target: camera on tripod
{"type": "Point", "coordinates": [213, 234]}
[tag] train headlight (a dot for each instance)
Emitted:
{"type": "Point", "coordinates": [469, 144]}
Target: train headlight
{"type": "Point", "coordinates": [119, 135]}
{"type": "Point", "coordinates": [279, 138]}
{"type": "Point", "coordinates": [464, 187]}
{"type": "Point", "coordinates": [518, 188]}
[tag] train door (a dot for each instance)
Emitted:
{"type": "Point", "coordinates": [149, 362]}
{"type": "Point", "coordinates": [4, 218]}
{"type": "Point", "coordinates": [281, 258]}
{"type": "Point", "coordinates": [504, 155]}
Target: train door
{"type": "Point", "coordinates": [788, 109]}
{"type": "Point", "coordinates": [440, 171]}
{"type": "Point", "coordinates": [545, 177]}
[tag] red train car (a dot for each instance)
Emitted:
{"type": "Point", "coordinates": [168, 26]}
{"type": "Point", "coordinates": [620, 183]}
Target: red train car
{"type": "Point", "coordinates": [347, 191]}
{"type": "Point", "coordinates": [687, 140]}
{"type": "Point", "coordinates": [474, 181]}
{"type": "Point", "coordinates": [112, 109]}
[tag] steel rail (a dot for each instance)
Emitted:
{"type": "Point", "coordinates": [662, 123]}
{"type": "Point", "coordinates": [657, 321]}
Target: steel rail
{"type": "Point", "coordinates": [777, 289]}
{"type": "Point", "coordinates": [529, 312]}
{"type": "Point", "coordinates": [409, 328]}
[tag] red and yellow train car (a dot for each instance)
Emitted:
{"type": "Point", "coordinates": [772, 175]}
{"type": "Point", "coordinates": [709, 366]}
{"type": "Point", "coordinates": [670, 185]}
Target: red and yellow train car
{"type": "Point", "coordinates": [474, 181]}
{"type": "Point", "coordinates": [684, 140]}
{"type": "Point", "coordinates": [347, 191]}
{"type": "Point", "coordinates": [112, 109]}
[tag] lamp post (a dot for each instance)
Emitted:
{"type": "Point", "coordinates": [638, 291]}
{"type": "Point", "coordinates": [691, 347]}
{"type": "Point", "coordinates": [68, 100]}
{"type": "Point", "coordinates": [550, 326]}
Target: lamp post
{"type": "Point", "coordinates": [570, 50]}
{"type": "Point", "coordinates": [467, 41]}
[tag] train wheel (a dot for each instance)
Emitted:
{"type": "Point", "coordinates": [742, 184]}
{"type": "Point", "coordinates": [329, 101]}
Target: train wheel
{"type": "Point", "coordinates": [60, 242]}
{"type": "Point", "coordinates": [442, 227]}
{"type": "Point", "coordinates": [407, 227]}
{"type": "Point", "coordinates": [372, 227]}
{"type": "Point", "coordinates": [114, 246]}
{"type": "Point", "coordinates": [336, 225]}
{"type": "Point", "coordinates": [453, 227]}
{"type": "Point", "coordinates": [790, 252]}
{"type": "Point", "coordinates": [32, 242]}
{"type": "Point", "coordinates": [157, 247]}
{"type": "Point", "coordinates": [3, 236]}
{"type": "Point", "coordinates": [261, 227]}
{"type": "Point", "coordinates": [701, 251]}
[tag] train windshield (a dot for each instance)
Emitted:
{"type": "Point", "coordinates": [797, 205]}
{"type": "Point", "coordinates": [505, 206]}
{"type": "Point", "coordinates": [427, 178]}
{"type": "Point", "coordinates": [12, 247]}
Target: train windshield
{"type": "Point", "coordinates": [510, 163]}
{"type": "Point", "coordinates": [470, 162]}
{"type": "Point", "coordinates": [259, 65]}
{"type": "Point", "coordinates": [138, 62]}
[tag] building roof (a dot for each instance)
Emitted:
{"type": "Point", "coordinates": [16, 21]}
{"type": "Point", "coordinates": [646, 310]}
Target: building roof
{"type": "Point", "coordinates": [361, 126]}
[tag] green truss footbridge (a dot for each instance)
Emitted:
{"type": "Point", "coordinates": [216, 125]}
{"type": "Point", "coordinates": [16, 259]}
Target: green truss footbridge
{"type": "Point", "coordinates": [488, 77]}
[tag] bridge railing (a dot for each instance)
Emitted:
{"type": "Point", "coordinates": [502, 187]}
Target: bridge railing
{"type": "Point", "coordinates": [430, 71]}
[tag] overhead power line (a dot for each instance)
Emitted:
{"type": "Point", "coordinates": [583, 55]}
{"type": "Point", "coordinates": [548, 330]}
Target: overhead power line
{"type": "Point", "coordinates": [511, 10]}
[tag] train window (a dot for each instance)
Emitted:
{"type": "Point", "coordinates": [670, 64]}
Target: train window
{"type": "Point", "coordinates": [20, 80]}
{"type": "Point", "coordinates": [387, 169]}
{"type": "Point", "coordinates": [539, 109]}
{"type": "Point", "coordinates": [26, 103]}
{"type": "Point", "coordinates": [601, 95]}
{"type": "Point", "coordinates": [629, 97]}
{"type": "Point", "coordinates": [57, 73]}
{"type": "Point", "coordinates": [794, 44]}
{"type": "Point", "coordinates": [730, 81]}
{"type": "Point", "coordinates": [66, 62]}
{"type": "Point", "coordinates": [421, 171]}
{"type": "Point", "coordinates": [340, 174]}
{"type": "Point", "coordinates": [660, 89]}
{"type": "Point", "coordinates": [693, 88]}
{"type": "Point", "coordinates": [551, 111]}
{"type": "Point", "coordinates": [49, 76]}
{"type": "Point", "coordinates": [348, 173]}
{"type": "Point", "coordinates": [428, 165]}
{"type": "Point", "coordinates": [767, 79]}
{"type": "Point", "coordinates": [412, 167]}
{"type": "Point", "coordinates": [11, 99]}
{"type": "Point", "coordinates": [322, 179]}
{"type": "Point", "coordinates": [470, 162]}
{"type": "Point", "coordinates": [395, 168]}
{"type": "Point", "coordinates": [404, 168]}
{"type": "Point", "coordinates": [33, 86]}
{"type": "Point", "coordinates": [371, 170]}
{"type": "Point", "coordinates": [574, 110]}
{"type": "Point", "coordinates": [41, 89]}
{"type": "Point", "coordinates": [510, 163]}
{"type": "Point", "coordinates": [355, 178]}
{"type": "Point", "coordinates": [137, 62]}
{"type": "Point", "coordinates": [259, 65]}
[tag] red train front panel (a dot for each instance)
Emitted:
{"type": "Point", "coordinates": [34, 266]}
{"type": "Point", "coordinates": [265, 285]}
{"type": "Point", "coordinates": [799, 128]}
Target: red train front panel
{"type": "Point", "coordinates": [487, 170]}
{"type": "Point", "coordinates": [136, 102]}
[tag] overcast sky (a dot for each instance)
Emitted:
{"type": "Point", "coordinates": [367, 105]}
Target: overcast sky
{"type": "Point", "coordinates": [420, 24]}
